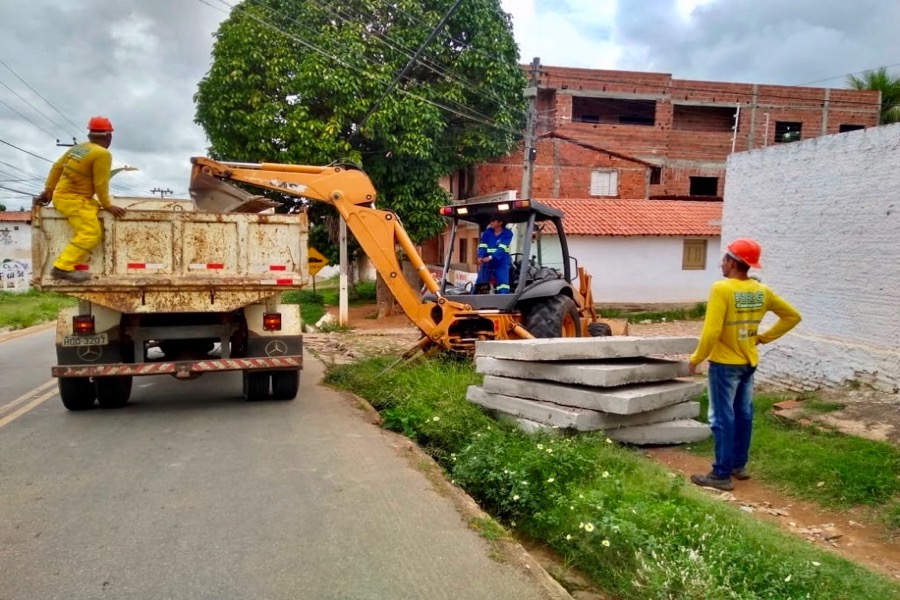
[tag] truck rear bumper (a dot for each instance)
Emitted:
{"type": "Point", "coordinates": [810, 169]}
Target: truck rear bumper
{"type": "Point", "coordinates": [180, 369]}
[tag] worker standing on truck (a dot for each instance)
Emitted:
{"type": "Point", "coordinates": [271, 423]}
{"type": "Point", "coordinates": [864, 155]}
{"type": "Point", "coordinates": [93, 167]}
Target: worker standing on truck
{"type": "Point", "coordinates": [730, 335]}
{"type": "Point", "coordinates": [75, 180]}
{"type": "Point", "coordinates": [493, 255]}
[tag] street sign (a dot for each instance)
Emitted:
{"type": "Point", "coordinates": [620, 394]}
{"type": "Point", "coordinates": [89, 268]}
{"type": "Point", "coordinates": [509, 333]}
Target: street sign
{"type": "Point", "coordinates": [316, 261]}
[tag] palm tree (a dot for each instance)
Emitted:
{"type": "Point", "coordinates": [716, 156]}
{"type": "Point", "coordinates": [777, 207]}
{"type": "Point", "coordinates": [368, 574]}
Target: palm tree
{"type": "Point", "coordinates": [889, 86]}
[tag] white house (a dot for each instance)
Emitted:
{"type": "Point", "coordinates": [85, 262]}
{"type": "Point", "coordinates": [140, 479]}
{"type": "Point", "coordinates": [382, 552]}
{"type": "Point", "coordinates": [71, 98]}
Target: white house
{"type": "Point", "coordinates": [645, 251]}
{"type": "Point", "coordinates": [15, 251]}
{"type": "Point", "coordinates": [827, 214]}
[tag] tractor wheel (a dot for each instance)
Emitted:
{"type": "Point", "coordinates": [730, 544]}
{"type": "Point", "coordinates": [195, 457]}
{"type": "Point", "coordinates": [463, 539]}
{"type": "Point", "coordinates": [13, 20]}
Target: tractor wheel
{"type": "Point", "coordinates": [113, 392]}
{"type": "Point", "coordinates": [76, 393]}
{"type": "Point", "coordinates": [553, 317]}
{"type": "Point", "coordinates": [285, 384]}
{"type": "Point", "coordinates": [599, 329]}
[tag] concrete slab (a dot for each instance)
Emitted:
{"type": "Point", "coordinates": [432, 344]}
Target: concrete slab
{"type": "Point", "coordinates": [626, 400]}
{"type": "Point", "coordinates": [550, 414]}
{"type": "Point", "coordinates": [585, 348]}
{"type": "Point", "coordinates": [609, 373]}
{"type": "Point", "coordinates": [682, 431]}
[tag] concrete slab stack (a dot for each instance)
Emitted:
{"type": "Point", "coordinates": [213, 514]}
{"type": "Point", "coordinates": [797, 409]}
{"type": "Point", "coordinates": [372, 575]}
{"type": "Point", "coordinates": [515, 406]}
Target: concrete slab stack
{"type": "Point", "coordinates": [629, 387]}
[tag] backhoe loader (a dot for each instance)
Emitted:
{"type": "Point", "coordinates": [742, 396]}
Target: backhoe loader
{"type": "Point", "coordinates": [545, 300]}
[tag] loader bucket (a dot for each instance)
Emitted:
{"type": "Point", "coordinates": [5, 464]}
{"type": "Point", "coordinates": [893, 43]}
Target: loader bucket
{"type": "Point", "coordinates": [213, 195]}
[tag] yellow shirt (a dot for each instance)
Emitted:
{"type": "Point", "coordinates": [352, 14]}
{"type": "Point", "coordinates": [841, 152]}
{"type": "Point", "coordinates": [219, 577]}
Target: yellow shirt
{"type": "Point", "coordinates": [83, 172]}
{"type": "Point", "coordinates": [733, 313]}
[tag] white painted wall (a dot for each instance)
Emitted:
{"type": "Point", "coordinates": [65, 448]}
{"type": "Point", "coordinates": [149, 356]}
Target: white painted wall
{"type": "Point", "coordinates": [827, 213]}
{"type": "Point", "coordinates": [644, 269]}
{"type": "Point", "coordinates": [15, 256]}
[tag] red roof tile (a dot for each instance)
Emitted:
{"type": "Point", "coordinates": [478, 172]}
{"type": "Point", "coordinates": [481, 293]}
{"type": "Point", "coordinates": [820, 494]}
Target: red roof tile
{"type": "Point", "coordinates": [592, 216]}
{"type": "Point", "coordinates": [18, 216]}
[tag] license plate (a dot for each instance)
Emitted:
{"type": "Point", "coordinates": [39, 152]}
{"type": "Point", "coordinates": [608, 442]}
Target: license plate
{"type": "Point", "coordinates": [98, 339]}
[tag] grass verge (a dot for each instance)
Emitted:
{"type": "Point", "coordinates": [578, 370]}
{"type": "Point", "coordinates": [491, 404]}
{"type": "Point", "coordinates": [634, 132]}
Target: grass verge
{"type": "Point", "coordinates": [636, 530]}
{"type": "Point", "coordinates": [687, 314]}
{"type": "Point", "coordinates": [835, 470]}
{"type": "Point", "coordinates": [312, 304]}
{"type": "Point", "coordinates": [25, 309]}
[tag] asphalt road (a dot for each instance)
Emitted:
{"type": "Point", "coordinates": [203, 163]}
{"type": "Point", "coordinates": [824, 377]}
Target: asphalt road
{"type": "Point", "coordinates": [191, 493]}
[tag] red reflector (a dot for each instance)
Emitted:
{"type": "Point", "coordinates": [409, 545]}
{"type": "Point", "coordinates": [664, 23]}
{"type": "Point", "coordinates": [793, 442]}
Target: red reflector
{"type": "Point", "coordinates": [277, 268]}
{"type": "Point", "coordinates": [284, 282]}
{"type": "Point", "coordinates": [215, 265]}
{"type": "Point", "coordinates": [446, 211]}
{"type": "Point", "coordinates": [521, 203]}
{"type": "Point", "coordinates": [82, 267]}
{"type": "Point", "coordinates": [83, 325]}
{"type": "Point", "coordinates": [272, 321]}
{"type": "Point", "coordinates": [137, 265]}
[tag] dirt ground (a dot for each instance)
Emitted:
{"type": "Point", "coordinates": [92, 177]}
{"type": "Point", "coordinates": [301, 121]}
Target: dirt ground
{"type": "Point", "coordinates": [851, 534]}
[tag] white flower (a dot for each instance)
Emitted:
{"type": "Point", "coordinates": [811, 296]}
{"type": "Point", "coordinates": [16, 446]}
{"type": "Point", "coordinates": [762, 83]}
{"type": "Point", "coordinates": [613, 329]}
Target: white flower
{"type": "Point", "coordinates": [540, 446]}
{"type": "Point", "coordinates": [605, 474]}
{"type": "Point", "coordinates": [516, 497]}
{"type": "Point", "coordinates": [551, 480]}
{"type": "Point", "coordinates": [816, 564]}
{"type": "Point", "coordinates": [788, 578]}
{"type": "Point", "coordinates": [589, 527]}
{"type": "Point", "coordinates": [549, 450]}
{"type": "Point", "coordinates": [436, 418]}
{"type": "Point", "coordinates": [571, 508]}
{"type": "Point", "coordinates": [512, 523]}
{"type": "Point", "coordinates": [608, 441]}
{"type": "Point", "coordinates": [569, 536]}
{"type": "Point", "coordinates": [581, 526]}
{"type": "Point", "coordinates": [605, 543]}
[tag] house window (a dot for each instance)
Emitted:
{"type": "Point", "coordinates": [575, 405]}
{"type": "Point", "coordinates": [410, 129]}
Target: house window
{"type": "Point", "coordinates": [655, 175]}
{"type": "Point", "coordinates": [604, 183]}
{"type": "Point", "coordinates": [845, 127]}
{"type": "Point", "coordinates": [704, 186]}
{"type": "Point", "coordinates": [788, 131]}
{"type": "Point", "coordinates": [694, 255]}
{"type": "Point", "coordinates": [463, 250]}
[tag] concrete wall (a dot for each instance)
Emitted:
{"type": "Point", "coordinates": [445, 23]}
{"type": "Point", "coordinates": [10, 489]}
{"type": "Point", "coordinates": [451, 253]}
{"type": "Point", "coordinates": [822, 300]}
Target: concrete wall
{"type": "Point", "coordinates": [827, 213]}
{"type": "Point", "coordinates": [644, 270]}
{"type": "Point", "coordinates": [15, 256]}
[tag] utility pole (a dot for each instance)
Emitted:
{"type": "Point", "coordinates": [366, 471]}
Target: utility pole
{"type": "Point", "coordinates": [162, 192]}
{"type": "Point", "coordinates": [530, 152]}
{"type": "Point", "coordinates": [58, 143]}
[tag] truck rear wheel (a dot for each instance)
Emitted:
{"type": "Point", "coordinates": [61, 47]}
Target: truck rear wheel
{"type": "Point", "coordinates": [256, 385]}
{"type": "Point", "coordinates": [285, 384]}
{"type": "Point", "coordinates": [113, 392]}
{"type": "Point", "coordinates": [556, 316]}
{"type": "Point", "coordinates": [76, 393]}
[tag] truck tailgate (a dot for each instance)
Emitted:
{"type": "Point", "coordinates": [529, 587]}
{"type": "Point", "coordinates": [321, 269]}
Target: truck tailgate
{"type": "Point", "coordinates": [164, 256]}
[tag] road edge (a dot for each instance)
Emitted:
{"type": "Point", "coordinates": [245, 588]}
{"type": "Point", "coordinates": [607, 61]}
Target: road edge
{"type": "Point", "coordinates": [17, 333]}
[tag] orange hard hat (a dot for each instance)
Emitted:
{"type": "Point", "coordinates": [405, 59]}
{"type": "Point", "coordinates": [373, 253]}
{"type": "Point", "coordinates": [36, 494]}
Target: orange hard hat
{"type": "Point", "coordinates": [747, 251]}
{"type": "Point", "coordinates": [100, 125]}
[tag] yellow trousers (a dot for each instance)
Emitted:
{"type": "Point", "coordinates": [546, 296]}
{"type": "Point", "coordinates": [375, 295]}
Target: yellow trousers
{"type": "Point", "coordinates": [82, 215]}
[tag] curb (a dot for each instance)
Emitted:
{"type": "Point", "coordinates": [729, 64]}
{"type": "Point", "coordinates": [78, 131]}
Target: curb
{"type": "Point", "coordinates": [17, 333]}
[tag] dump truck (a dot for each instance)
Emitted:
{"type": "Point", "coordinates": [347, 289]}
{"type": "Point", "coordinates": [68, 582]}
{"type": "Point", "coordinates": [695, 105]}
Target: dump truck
{"type": "Point", "coordinates": [179, 291]}
{"type": "Point", "coordinates": [546, 301]}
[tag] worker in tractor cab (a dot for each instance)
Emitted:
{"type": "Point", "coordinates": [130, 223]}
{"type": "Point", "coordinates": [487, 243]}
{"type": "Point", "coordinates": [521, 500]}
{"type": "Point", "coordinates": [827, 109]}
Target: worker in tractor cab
{"type": "Point", "coordinates": [729, 339]}
{"type": "Point", "coordinates": [78, 185]}
{"type": "Point", "coordinates": [493, 255]}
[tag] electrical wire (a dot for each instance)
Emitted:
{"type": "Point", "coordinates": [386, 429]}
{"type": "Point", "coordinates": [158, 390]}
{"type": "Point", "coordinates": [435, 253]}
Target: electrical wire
{"type": "Point", "coordinates": [849, 74]}
{"type": "Point", "coordinates": [27, 119]}
{"type": "Point", "coordinates": [32, 106]}
{"type": "Point", "coordinates": [40, 96]}
{"type": "Point", "coordinates": [26, 151]}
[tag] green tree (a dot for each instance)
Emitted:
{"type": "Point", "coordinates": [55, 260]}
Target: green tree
{"type": "Point", "coordinates": [889, 86]}
{"type": "Point", "coordinates": [291, 81]}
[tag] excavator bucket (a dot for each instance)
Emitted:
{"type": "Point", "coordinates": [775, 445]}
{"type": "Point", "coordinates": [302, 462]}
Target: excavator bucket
{"type": "Point", "coordinates": [213, 195]}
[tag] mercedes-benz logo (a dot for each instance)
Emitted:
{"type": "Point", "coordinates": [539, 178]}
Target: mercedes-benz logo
{"type": "Point", "coordinates": [276, 348]}
{"type": "Point", "coordinates": [89, 353]}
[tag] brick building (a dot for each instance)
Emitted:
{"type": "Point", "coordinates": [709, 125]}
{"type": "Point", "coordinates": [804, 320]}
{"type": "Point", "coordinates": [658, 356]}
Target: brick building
{"type": "Point", "coordinates": [624, 134]}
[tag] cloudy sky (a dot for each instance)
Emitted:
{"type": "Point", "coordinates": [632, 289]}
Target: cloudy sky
{"type": "Point", "coordinates": [139, 61]}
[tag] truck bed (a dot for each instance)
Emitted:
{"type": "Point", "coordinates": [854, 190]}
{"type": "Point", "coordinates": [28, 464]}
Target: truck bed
{"type": "Point", "coordinates": [165, 256]}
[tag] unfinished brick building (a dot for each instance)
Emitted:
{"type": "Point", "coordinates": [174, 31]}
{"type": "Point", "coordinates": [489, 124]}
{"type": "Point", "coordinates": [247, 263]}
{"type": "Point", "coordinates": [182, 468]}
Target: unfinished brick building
{"type": "Point", "coordinates": [632, 135]}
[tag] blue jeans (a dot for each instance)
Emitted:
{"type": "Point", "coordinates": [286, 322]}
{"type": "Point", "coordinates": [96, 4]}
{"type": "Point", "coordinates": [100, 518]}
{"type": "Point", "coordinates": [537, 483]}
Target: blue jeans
{"type": "Point", "coordinates": [731, 415]}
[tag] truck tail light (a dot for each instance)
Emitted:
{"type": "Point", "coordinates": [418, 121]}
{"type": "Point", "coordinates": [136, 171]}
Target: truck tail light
{"type": "Point", "coordinates": [83, 325]}
{"type": "Point", "coordinates": [272, 321]}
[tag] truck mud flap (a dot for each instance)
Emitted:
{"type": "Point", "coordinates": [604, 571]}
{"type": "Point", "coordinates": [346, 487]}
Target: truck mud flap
{"type": "Point", "coordinates": [181, 369]}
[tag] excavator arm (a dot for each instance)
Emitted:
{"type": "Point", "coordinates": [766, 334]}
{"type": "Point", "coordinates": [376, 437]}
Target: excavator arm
{"type": "Point", "coordinates": [350, 191]}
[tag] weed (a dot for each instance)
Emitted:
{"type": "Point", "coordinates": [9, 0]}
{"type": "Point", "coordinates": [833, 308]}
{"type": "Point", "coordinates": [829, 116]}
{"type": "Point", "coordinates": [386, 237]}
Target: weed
{"type": "Point", "coordinates": [690, 314]}
{"type": "Point", "coordinates": [635, 530]}
{"type": "Point", "coordinates": [821, 406]}
{"type": "Point", "coordinates": [24, 309]}
{"type": "Point", "coordinates": [489, 529]}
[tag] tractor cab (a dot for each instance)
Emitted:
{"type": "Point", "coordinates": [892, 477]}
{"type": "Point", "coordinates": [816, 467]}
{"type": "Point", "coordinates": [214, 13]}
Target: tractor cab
{"type": "Point", "coordinates": [540, 265]}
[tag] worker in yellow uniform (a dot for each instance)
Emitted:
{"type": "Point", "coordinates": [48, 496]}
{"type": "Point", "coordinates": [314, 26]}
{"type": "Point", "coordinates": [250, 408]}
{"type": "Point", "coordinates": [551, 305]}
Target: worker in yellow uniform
{"type": "Point", "coordinates": [730, 335]}
{"type": "Point", "coordinates": [78, 184]}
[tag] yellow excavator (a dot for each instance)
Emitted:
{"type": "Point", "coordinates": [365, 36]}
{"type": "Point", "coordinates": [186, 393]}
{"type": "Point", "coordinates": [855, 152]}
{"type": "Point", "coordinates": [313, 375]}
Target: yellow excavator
{"type": "Point", "coordinates": [544, 301]}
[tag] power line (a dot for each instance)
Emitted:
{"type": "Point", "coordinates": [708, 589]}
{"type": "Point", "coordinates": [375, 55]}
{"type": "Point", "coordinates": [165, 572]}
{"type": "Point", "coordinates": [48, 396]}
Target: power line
{"type": "Point", "coordinates": [26, 151]}
{"type": "Point", "coordinates": [849, 74]}
{"type": "Point", "coordinates": [9, 189]}
{"type": "Point", "coordinates": [32, 106]}
{"type": "Point", "coordinates": [343, 63]}
{"type": "Point", "coordinates": [26, 118]}
{"type": "Point", "coordinates": [39, 96]}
